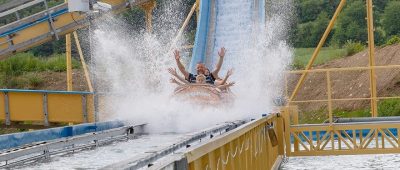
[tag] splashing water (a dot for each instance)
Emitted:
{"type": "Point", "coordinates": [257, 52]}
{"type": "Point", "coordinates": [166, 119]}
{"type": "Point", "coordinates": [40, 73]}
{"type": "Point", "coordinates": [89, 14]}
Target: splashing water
{"type": "Point", "coordinates": [131, 68]}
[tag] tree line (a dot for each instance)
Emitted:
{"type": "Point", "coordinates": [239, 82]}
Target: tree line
{"type": "Point", "coordinates": [313, 17]}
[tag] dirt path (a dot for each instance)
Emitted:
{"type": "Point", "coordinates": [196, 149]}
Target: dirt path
{"type": "Point", "coordinates": [351, 84]}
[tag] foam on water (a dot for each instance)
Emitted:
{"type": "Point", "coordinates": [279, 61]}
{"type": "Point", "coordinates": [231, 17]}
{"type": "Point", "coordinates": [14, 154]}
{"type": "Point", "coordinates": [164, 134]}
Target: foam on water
{"type": "Point", "coordinates": [132, 67]}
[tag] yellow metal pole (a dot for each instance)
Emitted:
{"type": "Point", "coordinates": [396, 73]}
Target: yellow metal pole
{"type": "Point", "coordinates": [280, 133]}
{"type": "Point", "coordinates": [148, 8]}
{"type": "Point", "coordinates": [85, 69]}
{"type": "Point", "coordinates": [68, 60]}
{"type": "Point", "coordinates": [371, 54]}
{"type": "Point", "coordinates": [294, 114]}
{"type": "Point", "coordinates": [329, 87]}
{"type": "Point", "coordinates": [317, 50]}
{"type": "Point", "coordinates": [197, 9]}
{"type": "Point", "coordinates": [286, 120]}
{"type": "Point", "coordinates": [185, 23]}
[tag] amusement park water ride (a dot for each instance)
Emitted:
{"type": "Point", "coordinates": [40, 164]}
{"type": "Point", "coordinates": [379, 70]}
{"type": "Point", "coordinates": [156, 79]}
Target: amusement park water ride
{"type": "Point", "coordinates": [204, 94]}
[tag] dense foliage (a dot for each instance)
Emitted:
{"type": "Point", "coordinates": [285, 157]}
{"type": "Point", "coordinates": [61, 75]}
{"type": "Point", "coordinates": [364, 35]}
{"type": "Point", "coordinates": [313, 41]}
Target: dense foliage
{"type": "Point", "coordinates": [313, 17]}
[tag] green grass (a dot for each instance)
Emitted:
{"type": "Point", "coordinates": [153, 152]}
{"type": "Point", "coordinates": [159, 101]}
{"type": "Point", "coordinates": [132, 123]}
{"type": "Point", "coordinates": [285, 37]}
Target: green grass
{"type": "Point", "coordinates": [25, 62]}
{"type": "Point", "coordinates": [303, 55]}
{"type": "Point", "coordinates": [387, 107]}
{"type": "Point", "coordinates": [23, 69]}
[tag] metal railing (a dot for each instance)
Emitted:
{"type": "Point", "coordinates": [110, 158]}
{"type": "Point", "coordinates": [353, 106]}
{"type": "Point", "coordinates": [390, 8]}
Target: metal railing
{"type": "Point", "coordinates": [377, 137]}
{"type": "Point", "coordinates": [44, 149]}
{"type": "Point", "coordinates": [329, 95]}
{"type": "Point", "coordinates": [256, 145]}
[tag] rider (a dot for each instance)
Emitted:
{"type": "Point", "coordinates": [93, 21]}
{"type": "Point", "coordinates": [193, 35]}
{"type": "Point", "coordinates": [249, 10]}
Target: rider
{"type": "Point", "coordinates": [200, 68]}
{"type": "Point", "coordinates": [200, 79]}
{"type": "Point", "coordinates": [219, 81]}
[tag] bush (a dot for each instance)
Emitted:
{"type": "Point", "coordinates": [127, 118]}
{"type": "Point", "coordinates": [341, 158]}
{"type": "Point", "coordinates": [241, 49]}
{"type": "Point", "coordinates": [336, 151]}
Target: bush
{"type": "Point", "coordinates": [389, 107]}
{"type": "Point", "coordinates": [353, 47]}
{"type": "Point", "coordinates": [19, 64]}
{"type": "Point", "coordinates": [15, 83]}
{"type": "Point", "coordinates": [58, 63]}
{"type": "Point", "coordinates": [34, 81]}
{"type": "Point", "coordinates": [296, 65]}
{"type": "Point", "coordinates": [26, 62]}
{"type": "Point", "coordinates": [390, 18]}
{"type": "Point", "coordinates": [394, 40]}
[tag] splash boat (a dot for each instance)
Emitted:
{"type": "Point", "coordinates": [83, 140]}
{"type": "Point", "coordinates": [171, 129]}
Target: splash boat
{"type": "Point", "coordinates": [203, 94]}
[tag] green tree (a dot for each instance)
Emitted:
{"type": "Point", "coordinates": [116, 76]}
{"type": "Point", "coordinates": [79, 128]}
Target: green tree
{"type": "Point", "coordinates": [303, 35]}
{"type": "Point", "coordinates": [351, 24]}
{"type": "Point", "coordinates": [51, 47]}
{"type": "Point", "coordinates": [309, 10]}
{"type": "Point", "coordinates": [309, 34]}
{"type": "Point", "coordinates": [379, 5]}
{"type": "Point", "coordinates": [135, 17]}
{"type": "Point", "coordinates": [319, 27]}
{"type": "Point", "coordinates": [391, 18]}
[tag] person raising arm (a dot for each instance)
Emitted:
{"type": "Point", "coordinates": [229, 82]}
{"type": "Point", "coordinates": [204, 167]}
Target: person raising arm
{"type": "Point", "coordinates": [221, 54]}
{"type": "Point", "coordinates": [173, 72]}
{"type": "Point", "coordinates": [172, 80]}
{"type": "Point", "coordinates": [222, 82]}
{"type": "Point", "coordinates": [180, 65]}
{"type": "Point", "coordinates": [225, 86]}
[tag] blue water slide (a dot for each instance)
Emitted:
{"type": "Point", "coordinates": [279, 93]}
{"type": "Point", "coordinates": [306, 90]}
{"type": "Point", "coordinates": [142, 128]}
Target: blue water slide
{"type": "Point", "coordinates": [203, 30]}
{"type": "Point", "coordinates": [200, 44]}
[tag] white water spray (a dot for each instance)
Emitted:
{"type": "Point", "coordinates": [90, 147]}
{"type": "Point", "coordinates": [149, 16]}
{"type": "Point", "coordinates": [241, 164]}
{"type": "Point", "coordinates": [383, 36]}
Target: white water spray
{"type": "Point", "coordinates": [131, 67]}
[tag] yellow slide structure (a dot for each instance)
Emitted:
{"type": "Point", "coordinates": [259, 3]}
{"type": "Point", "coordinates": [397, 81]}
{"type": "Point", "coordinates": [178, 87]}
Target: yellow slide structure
{"type": "Point", "coordinates": [47, 25]}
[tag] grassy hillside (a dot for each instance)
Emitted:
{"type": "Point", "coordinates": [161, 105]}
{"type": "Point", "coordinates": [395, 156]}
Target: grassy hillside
{"type": "Point", "coordinates": [303, 55]}
{"type": "Point", "coordinates": [350, 84]}
{"type": "Point", "coordinates": [27, 72]}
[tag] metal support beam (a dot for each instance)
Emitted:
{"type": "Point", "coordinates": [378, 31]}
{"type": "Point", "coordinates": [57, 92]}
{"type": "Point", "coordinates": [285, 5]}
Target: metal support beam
{"type": "Point", "coordinates": [45, 110]}
{"type": "Point", "coordinates": [84, 109]}
{"type": "Point", "coordinates": [50, 20]}
{"type": "Point", "coordinates": [10, 42]}
{"type": "Point", "coordinates": [371, 54]}
{"type": "Point", "coordinates": [84, 66]}
{"type": "Point", "coordinates": [7, 108]}
{"type": "Point", "coordinates": [317, 50]}
{"type": "Point", "coordinates": [197, 9]}
{"type": "Point", "coordinates": [68, 60]}
{"type": "Point", "coordinates": [329, 91]}
{"type": "Point", "coordinates": [184, 25]}
{"type": "Point", "coordinates": [148, 8]}
{"type": "Point", "coordinates": [17, 15]}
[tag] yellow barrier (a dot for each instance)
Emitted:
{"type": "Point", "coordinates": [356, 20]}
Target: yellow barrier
{"type": "Point", "coordinates": [46, 106]}
{"type": "Point", "coordinates": [252, 146]}
{"type": "Point", "coordinates": [340, 138]}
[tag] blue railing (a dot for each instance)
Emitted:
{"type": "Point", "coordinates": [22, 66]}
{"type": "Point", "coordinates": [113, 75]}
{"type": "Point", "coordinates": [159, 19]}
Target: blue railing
{"type": "Point", "coordinates": [19, 139]}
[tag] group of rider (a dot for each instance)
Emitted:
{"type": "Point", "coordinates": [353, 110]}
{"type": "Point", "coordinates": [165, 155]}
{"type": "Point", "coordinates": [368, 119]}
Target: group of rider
{"type": "Point", "coordinates": [203, 74]}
